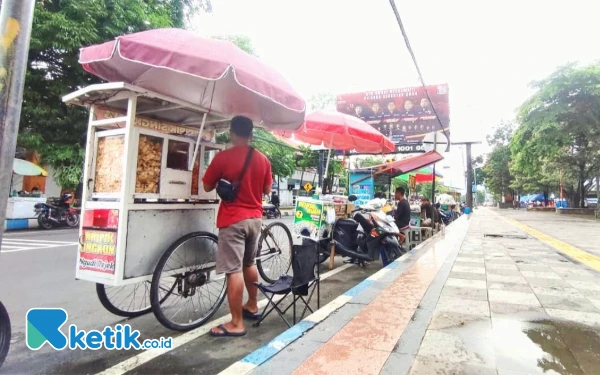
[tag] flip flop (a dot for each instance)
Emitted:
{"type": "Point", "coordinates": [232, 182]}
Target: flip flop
{"type": "Point", "coordinates": [249, 315]}
{"type": "Point", "coordinates": [225, 332]}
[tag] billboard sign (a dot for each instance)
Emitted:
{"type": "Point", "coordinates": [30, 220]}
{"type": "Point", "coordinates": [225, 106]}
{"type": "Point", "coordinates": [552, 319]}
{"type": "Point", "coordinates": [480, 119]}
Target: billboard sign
{"type": "Point", "coordinates": [404, 115]}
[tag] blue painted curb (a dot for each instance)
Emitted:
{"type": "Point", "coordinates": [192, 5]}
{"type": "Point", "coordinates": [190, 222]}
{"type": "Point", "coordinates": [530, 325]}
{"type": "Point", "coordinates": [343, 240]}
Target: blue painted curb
{"type": "Point", "coordinates": [16, 224]}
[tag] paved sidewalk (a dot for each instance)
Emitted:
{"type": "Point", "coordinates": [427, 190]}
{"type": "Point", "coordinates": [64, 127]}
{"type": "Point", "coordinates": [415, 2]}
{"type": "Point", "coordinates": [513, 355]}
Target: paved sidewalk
{"type": "Point", "coordinates": [486, 299]}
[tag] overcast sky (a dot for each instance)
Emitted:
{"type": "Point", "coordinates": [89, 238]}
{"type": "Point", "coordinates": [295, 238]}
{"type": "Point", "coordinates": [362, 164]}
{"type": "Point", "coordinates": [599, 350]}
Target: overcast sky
{"type": "Point", "coordinates": [487, 52]}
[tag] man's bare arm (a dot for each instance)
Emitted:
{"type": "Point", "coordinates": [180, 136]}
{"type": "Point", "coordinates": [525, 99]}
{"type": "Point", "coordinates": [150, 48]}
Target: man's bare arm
{"type": "Point", "coordinates": [208, 188]}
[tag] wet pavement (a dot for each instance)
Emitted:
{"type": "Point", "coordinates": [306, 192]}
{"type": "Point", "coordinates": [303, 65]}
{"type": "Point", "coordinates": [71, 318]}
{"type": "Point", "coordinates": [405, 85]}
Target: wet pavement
{"type": "Point", "coordinates": [493, 297]}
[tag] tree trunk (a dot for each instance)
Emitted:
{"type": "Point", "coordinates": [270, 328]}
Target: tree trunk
{"type": "Point", "coordinates": [302, 178]}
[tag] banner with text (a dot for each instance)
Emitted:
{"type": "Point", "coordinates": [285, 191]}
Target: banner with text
{"type": "Point", "coordinates": [405, 115]}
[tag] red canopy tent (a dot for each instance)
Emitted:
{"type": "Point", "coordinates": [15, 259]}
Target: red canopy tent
{"type": "Point", "coordinates": [403, 166]}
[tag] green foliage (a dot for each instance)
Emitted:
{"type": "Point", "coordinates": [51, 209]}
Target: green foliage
{"type": "Point", "coordinates": [283, 158]}
{"type": "Point", "coordinates": [321, 101]}
{"type": "Point", "coordinates": [242, 41]}
{"type": "Point", "coordinates": [479, 197]}
{"type": "Point", "coordinates": [498, 177]}
{"type": "Point", "coordinates": [560, 129]}
{"type": "Point", "coordinates": [370, 161]}
{"type": "Point", "coordinates": [558, 134]}
{"type": "Point", "coordinates": [308, 158]}
{"type": "Point", "coordinates": [59, 29]}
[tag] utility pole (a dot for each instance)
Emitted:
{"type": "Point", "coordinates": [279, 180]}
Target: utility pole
{"type": "Point", "coordinates": [16, 17]}
{"type": "Point", "coordinates": [469, 177]}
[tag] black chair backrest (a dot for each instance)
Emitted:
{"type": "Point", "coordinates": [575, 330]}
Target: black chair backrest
{"type": "Point", "coordinates": [304, 260]}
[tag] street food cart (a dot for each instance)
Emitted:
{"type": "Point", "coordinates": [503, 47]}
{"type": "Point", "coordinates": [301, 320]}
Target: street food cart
{"type": "Point", "coordinates": [142, 193]}
{"type": "Point", "coordinates": [147, 222]}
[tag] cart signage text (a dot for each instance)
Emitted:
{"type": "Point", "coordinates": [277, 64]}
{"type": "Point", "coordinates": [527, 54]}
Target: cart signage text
{"type": "Point", "coordinates": [156, 125]}
{"type": "Point", "coordinates": [309, 216]}
{"type": "Point", "coordinates": [98, 251]}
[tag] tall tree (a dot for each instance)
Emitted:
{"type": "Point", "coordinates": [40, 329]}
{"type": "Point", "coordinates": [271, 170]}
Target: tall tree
{"type": "Point", "coordinates": [497, 173]}
{"type": "Point", "coordinates": [307, 159]}
{"type": "Point", "coordinates": [60, 28]}
{"type": "Point", "coordinates": [560, 125]}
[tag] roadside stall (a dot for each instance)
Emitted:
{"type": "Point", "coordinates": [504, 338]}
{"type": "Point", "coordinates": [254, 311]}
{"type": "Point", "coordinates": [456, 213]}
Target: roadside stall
{"type": "Point", "coordinates": [401, 167]}
{"type": "Point", "coordinates": [148, 228]}
{"type": "Point", "coordinates": [20, 205]}
{"type": "Point", "coordinates": [334, 131]}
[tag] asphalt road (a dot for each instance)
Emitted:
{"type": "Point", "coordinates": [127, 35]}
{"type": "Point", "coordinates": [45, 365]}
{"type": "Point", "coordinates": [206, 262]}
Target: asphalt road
{"type": "Point", "coordinates": [37, 269]}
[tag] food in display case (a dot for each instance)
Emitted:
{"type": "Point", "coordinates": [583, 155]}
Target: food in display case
{"type": "Point", "coordinates": [109, 164]}
{"type": "Point", "coordinates": [148, 165]}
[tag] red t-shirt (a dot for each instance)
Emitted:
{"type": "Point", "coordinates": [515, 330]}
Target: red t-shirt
{"type": "Point", "coordinates": [227, 165]}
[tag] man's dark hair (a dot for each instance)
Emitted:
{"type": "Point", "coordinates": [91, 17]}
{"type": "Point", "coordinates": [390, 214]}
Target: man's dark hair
{"type": "Point", "coordinates": [241, 126]}
{"type": "Point", "coordinates": [400, 190]}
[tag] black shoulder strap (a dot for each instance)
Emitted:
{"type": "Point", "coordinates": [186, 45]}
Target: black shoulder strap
{"type": "Point", "coordinates": [246, 164]}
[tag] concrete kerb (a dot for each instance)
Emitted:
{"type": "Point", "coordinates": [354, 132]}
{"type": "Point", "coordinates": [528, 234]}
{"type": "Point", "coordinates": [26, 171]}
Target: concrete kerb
{"type": "Point", "coordinates": [346, 307]}
{"type": "Point", "coordinates": [17, 224]}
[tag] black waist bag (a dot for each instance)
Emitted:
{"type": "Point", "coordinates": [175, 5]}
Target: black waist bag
{"type": "Point", "coordinates": [228, 191]}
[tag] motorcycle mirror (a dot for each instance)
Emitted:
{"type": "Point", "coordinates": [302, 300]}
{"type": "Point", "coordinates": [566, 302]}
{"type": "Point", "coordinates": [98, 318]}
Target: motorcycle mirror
{"type": "Point", "coordinates": [352, 198]}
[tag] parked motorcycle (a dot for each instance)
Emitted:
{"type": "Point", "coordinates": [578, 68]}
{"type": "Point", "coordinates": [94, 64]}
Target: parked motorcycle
{"type": "Point", "coordinates": [378, 238]}
{"type": "Point", "coordinates": [49, 216]}
{"type": "Point", "coordinates": [270, 211]}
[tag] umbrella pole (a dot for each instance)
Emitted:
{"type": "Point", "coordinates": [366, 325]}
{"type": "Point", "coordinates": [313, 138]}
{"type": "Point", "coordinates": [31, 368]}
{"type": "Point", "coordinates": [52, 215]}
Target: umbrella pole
{"type": "Point", "coordinates": [327, 166]}
{"type": "Point", "coordinates": [197, 142]}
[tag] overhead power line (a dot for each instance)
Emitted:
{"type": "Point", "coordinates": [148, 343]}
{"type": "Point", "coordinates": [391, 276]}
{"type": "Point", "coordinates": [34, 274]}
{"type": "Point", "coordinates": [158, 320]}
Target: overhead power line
{"type": "Point", "coordinates": [414, 59]}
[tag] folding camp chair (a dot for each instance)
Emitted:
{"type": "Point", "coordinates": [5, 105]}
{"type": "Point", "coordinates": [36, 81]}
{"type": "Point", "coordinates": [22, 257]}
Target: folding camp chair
{"type": "Point", "coordinates": [304, 261]}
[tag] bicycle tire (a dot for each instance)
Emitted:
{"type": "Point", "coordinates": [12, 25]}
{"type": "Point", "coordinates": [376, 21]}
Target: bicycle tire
{"type": "Point", "coordinates": [259, 264]}
{"type": "Point", "coordinates": [154, 289]}
{"type": "Point", "coordinates": [108, 305]}
{"type": "Point", "coordinates": [4, 333]}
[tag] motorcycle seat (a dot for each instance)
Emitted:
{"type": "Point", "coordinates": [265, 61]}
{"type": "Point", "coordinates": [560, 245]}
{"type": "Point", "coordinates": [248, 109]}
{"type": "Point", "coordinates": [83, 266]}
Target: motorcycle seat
{"type": "Point", "coordinates": [268, 206]}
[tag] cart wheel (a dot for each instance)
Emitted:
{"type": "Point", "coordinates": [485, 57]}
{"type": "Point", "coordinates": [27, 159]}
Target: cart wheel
{"type": "Point", "coordinates": [4, 333]}
{"type": "Point", "coordinates": [197, 292]}
{"type": "Point", "coordinates": [128, 300]}
{"type": "Point", "coordinates": [274, 252]}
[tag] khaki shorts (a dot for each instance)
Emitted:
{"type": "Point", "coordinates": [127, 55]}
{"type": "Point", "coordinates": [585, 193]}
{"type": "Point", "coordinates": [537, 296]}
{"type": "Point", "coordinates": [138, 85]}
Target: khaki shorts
{"type": "Point", "coordinates": [237, 245]}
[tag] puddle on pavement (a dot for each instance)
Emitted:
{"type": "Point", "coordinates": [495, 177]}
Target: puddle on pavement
{"type": "Point", "coordinates": [551, 347]}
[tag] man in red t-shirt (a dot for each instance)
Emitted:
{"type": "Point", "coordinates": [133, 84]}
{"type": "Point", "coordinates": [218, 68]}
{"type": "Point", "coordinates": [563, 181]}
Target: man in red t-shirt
{"type": "Point", "coordinates": [239, 222]}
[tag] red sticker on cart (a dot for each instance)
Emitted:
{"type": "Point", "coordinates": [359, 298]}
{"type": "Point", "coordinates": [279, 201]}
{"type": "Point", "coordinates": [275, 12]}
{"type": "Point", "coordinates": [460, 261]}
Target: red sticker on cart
{"type": "Point", "coordinates": [98, 251]}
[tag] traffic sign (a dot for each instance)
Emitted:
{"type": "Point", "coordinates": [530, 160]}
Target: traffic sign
{"type": "Point", "coordinates": [308, 186]}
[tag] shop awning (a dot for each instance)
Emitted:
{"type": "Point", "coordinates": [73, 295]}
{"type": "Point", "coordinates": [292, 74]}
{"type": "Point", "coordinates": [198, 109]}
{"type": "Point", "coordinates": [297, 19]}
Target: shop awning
{"type": "Point", "coordinates": [400, 167]}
